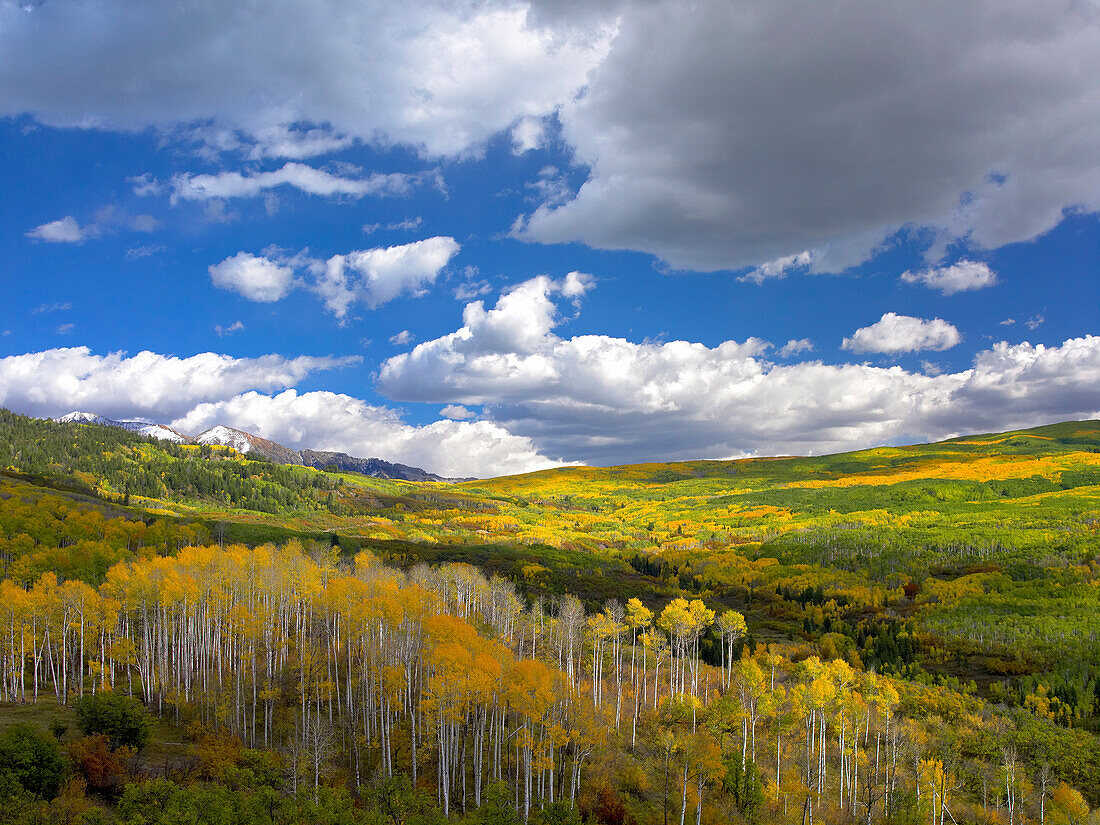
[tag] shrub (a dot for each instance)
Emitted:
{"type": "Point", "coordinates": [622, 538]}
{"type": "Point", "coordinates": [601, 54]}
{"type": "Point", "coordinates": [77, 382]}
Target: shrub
{"type": "Point", "coordinates": [31, 758]}
{"type": "Point", "coordinates": [124, 720]}
{"type": "Point", "coordinates": [103, 769]}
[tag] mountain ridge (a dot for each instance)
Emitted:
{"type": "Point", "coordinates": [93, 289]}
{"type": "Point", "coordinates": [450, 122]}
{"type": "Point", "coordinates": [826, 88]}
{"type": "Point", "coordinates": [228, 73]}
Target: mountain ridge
{"type": "Point", "coordinates": [250, 444]}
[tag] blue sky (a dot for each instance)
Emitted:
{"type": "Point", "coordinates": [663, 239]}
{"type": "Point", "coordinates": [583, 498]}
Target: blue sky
{"type": "Point", "coordinates": [723, 233]}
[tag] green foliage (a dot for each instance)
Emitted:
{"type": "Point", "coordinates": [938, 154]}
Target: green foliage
{"type": "Point", "coordinates": [745, 787]}
{"type": "Point", "coordinates": [496, 808]}
{"type": "Point", "coordinates": [398, 803]}
{"type": "Point", "coordinates": [31, 761]}
{"type": "Point", "coordinates": [557, 813]}
{"type": "Point", "coordinates": [124, 466]}
{"type": "Point", "coordinates": [122, 719]}
{"type": "Point", "coordinates": [163, 802]}
{"type": "Point", "coordinates": [906, 810]}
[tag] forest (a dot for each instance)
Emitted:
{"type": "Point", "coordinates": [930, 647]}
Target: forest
{"type": "Point", "coordinates": [902, 635]}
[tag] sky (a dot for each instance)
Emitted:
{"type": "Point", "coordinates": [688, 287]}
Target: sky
{"type": "Point", "coordinates": [493, 237]}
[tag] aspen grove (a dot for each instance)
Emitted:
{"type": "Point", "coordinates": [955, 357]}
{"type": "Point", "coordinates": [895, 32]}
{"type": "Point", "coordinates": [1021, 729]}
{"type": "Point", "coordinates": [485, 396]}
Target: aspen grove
{"type": "Point", "coordinates": [449, 678]}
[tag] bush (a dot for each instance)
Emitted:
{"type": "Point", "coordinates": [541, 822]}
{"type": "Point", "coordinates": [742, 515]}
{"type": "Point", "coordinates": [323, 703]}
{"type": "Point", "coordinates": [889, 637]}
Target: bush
{"type": "Point", "coordinates": [496, 807]}
{"type": "Point", "coordinates": [103, 769]}
{"type": "Point", "coordinates": [556, 813]}
{"type": "Point", "coordinates": [31, 758]}
{"type": "Point", "coordinates": [123, 719]}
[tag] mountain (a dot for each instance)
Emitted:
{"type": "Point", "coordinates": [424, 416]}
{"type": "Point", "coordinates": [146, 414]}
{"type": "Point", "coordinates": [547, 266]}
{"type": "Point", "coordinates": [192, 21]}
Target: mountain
{"type": "Point", "coordinates": [248, 444]}
{"type": "Point", "coordinates": [367, 466]}
{"type": "Point", "coordinates": [158, 431]}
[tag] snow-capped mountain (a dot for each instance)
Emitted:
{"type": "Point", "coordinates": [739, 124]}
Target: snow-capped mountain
{"type": "Point", "coordinates": [249, 444]}
{"type": "Point", "coordinates": [146, 428]}
{"type": "Point", "coordinates": [245, 443]}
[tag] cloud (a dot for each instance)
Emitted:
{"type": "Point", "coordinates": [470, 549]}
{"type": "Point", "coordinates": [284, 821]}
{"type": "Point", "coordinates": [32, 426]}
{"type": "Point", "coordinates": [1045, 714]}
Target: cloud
{"type": "Point", "coordinates": [54, 307]}
{"type": "Point", "coordinates": [293, 79]}
{"type": "Point", "coordinates": [329, 421]}
{"type": "Point", "coordinates": [194, 393]}
{"type": "Point", "coordinates": [402, 338]}
{"type": "Point", "coordinates": [788, 128]}
{"type": "Point", "coordinates": [407, 225]}
{"type": "Point", "coordinates": [551, 187]}
{"type": "Point", "coordinates": [779, 267]}
{"type": "Point", "coordinates": [903, 333]}
{"type": "Point", "coordinates": [107, 220]}
{"type": "Point", "coordinates": [65, 329]}
{"type": "Point", "coordinates": [576, 285]}
{"type": "Point", "coordinates": [215, 211]}
{"type": "Point", "coordinates": [143, 223]}
{"type": "Point", "coordinates": [962, 276]}
{"type": "Point", "coordinates": [795, 346]}
{"type": "Point", "coordinates": [281, 141]}
{"type": "Point", "coordinates": [56, 381]}
{"type": "Point", "coordinates": [785, 129]}
{"type": "Point", "coordinates": [256, 278]}
{"type": "Point", "coordinates": [456, 412]}
{"type": "Point", "coordinates": [63, 230]}
{"type": "Point", "coordinates": [376, 276]}
{"type": "Point", "coordinates": [607, 400]}
{"type": "Point", "coordinates": [371, 277]}
{"type": "Point", "coordinates": [307, 179]}
{"type": "Point", "coordinates": [472, 289]}
{"type": "Point", "coordinates": [528, 133]}
{"type": "Point", "coordinates": [221, 331]}
{"type": "Point", "coordinates": [136, 253]}
{"type": "Point", "coordinates": [1035, 321]}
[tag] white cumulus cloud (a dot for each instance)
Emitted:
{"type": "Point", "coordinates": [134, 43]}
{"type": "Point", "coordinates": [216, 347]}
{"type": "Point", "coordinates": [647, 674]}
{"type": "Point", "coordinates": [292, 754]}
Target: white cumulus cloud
{"type": "Point", "coordinates": [606, 400]}
{"type": "Point", "coordinates": [330, 421]}
{"type": "Point", "coordinates": [376, 276]}
{"type": "Point", "coordinates": [903, 333]}
{"type": "Point", "coordinates": [147, 384]}
{"type": "Point", "coordinates": [63, 230]}
{"type": "Point", "coordinates": [795, 346]}
{"type": "Point", "coordinates": [371, 277]}
{"type": "Point", "coordinates": [963, 276]}
{"type": "Point", "coordinates": [457, 412]}
{"type": "Point", "coordinates": [254, 277]}
{"type": "Point", "coordinates": [528, 133]}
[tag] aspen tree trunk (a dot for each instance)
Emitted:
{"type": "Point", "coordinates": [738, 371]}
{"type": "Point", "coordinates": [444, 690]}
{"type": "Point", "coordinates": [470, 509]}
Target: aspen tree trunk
{"type": "Point", "coordinates": [684, 794]}
{"type": "Point", "coordinates": [778, 759]}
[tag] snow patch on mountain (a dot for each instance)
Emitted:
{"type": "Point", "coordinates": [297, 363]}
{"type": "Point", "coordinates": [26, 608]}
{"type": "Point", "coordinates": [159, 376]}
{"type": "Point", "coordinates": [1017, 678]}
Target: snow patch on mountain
{"type": "Point", "coordinates": [226, 437]}
{"type": "Point", "coordinates": [261, 448]}
{"type": "Point", "coordinates": [145, 428]}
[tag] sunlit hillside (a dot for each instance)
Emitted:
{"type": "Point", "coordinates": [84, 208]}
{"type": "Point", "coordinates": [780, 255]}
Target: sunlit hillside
{"type": "Point", "coordinates": [729, 638]}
